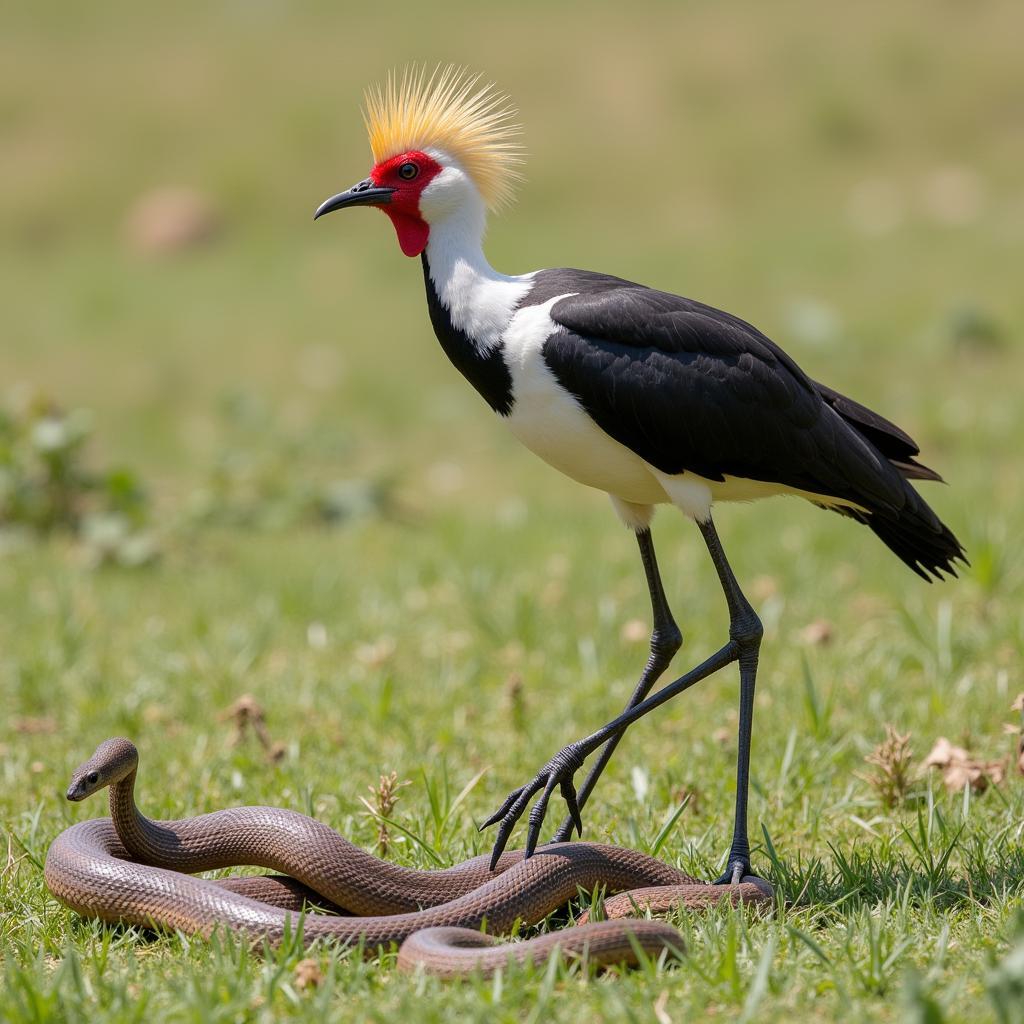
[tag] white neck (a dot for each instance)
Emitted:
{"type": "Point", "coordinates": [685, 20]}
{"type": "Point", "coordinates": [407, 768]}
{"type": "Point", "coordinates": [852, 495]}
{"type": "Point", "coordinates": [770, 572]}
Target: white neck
{"type": "Point", "coordinates": [479, 299]}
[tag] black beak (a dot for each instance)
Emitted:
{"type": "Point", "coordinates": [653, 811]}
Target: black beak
{"type": "Point", "coordinates": [366, 193]}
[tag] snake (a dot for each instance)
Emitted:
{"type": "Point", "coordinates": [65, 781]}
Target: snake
{"type": "Point", "coordinates": [130, 869]}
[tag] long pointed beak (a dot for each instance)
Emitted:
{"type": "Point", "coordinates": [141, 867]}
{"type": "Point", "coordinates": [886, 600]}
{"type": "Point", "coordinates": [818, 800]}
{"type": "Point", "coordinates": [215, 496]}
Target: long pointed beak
{"type": "Point", "coordinates": [366, 193]}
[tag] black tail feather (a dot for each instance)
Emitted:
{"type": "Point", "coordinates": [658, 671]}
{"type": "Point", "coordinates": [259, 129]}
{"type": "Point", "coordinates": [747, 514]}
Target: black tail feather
{"type": "Point", "coordinates": [917, 536]}
{"type": "Point", "coordinates": [911, 470]}
{"type": "Point", "coordinates": [905, 523]}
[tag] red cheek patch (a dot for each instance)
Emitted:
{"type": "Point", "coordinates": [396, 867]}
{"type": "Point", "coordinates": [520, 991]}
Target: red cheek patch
{"type": "Point", "coordinates": [404, 205]}
{"type": "Point", "coordinates": [411, 230]}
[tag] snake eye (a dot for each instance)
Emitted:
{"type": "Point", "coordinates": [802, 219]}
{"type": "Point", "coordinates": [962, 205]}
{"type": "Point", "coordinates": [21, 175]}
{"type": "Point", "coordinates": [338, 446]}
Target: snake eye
{"type": "Point", "coordinates": [92, 778]}
{"type": "Point", "coordinates": [408, 171]}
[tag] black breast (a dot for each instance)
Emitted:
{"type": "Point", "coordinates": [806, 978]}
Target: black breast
{"type": "Point", "coordinates": [487, 373]}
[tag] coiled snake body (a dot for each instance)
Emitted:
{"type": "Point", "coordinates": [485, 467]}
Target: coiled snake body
{"type": "Point", "coordinates": [130, 869]}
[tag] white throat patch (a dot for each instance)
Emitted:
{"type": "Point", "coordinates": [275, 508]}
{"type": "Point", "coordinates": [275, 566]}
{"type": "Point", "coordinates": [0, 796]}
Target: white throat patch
{"type": "Point", "coordinates": [479, 300]}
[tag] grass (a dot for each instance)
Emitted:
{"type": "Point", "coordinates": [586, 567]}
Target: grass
{"type": "Point", "coordinates": [766, 158]}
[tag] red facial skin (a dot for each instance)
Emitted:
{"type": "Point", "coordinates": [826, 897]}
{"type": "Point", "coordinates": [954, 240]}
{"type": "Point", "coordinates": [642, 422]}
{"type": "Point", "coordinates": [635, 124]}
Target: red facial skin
{"type": "Point", "coordinates": [404, 207]}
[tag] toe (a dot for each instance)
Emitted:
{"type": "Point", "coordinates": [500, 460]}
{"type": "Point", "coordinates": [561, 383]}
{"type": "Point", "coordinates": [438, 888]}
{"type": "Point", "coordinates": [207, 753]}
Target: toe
{"type": "Point", "coordinates": [503, 809]}
{"type": "Point", "coordinates": [571, 801]}
{"type": "Point", "coordinates": [540, 809]}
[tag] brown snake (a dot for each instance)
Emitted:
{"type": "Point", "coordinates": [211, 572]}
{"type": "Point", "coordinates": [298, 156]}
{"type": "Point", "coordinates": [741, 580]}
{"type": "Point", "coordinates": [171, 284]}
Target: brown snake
{"type": "Point", "coordinates": [130, 869]}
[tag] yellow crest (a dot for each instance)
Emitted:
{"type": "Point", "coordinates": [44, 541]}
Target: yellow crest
{"type": "Point", "coordinates": [448, 110]}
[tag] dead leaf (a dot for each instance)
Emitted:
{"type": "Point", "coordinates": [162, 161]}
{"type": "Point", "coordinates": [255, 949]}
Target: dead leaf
{"type": "Point", "coordinates": [817, 633]}
{"type": "Point", "coordinates": [722, 736]}
{"type": "Point", "coordinates": [960, 769]}
{"type": "Point", "coordinates": [170, 220]}
{"type": "Point", "coordinates": [635, 631]}
{"type": "Point", "coordinates": [763, 587]}
{"type": "Point", "coordinates": [942, 753]}
{"type": "Point", "coordinates": [308, 974]}
{"type": "Point", "coordinates": [29, 726]}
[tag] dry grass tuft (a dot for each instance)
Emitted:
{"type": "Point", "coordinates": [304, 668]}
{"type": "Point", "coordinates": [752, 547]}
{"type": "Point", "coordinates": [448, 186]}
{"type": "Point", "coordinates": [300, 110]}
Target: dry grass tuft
{"type": "Point", "coordinates": [516, 701]}
{"type": "Point", "coordinates": [893, 775]}
{"type": "Point", "coordinates": [247, 716]}
{"type": "Point", "coordinates": [385, 796]}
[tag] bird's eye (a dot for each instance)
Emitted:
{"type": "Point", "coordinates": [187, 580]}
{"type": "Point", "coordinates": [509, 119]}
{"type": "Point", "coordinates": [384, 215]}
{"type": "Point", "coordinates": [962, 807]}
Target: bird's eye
{"type": "Point", "coordinates": [92, 778]}
{"type": "Point", "coordinates": [408, 171]}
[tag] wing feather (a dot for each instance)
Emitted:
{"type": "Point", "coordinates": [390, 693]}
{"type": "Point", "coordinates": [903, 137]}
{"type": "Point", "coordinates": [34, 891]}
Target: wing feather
{"type": "Point", "coordinates": [691, 388]}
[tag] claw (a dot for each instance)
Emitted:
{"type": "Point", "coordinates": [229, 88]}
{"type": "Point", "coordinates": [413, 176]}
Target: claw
{"type": "Point", "coordinates": [499, 846]}
{"type": "Point", "coordinates": [569, 796]}
{"type": "Point", "coordinates": [509, 822]}
{"type": "Point", "coordinates": [540, 808]}
{"type": "Point", "coordinates": [503, 809]}
{"type": "Point", "coordinates": [557, 772]}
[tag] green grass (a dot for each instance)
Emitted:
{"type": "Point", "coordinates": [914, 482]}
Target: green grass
{"type": "Point", "coordinates": [741, 136]}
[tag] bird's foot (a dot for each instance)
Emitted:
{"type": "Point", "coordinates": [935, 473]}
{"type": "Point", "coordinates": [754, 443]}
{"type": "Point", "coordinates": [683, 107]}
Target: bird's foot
{"type": "Point", "coordinates": [559, 771]}
{"type": "Point", "coordinates": [738, 870]}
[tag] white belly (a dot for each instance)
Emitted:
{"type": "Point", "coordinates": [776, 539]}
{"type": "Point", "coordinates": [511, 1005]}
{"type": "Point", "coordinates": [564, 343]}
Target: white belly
{"type": "Point", "coordinates": [553, 425]}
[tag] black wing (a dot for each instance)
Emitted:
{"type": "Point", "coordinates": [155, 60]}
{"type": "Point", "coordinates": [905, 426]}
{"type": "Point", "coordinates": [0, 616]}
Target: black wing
{"type": "Point", "coordinates": [692, 388]}
{"type": "Point", "coordinates": [895, 444]}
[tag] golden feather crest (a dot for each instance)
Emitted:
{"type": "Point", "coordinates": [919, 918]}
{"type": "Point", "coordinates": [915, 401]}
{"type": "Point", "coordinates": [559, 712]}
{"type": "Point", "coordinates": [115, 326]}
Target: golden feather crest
{"type": "Point", "coordinates": [448, 110]}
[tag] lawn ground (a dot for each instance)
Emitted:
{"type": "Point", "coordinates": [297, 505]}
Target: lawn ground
{"type": "Point", "coordinates": [847, 179]}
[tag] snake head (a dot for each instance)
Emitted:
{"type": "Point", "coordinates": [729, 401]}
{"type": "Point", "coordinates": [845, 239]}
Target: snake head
{"type": "Point", "coordinates": [113, 761]}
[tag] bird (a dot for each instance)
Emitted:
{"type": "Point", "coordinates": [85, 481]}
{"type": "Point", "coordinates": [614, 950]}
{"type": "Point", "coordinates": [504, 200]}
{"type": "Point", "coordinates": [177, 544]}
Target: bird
{"type": "Point", "coordinates": [650, 397]}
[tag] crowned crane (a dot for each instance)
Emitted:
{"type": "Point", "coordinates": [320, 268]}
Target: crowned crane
{"type": "Point", "coordinates": [653, 398]}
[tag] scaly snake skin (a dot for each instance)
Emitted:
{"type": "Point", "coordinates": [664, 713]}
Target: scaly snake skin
{"type": "Point", "coordinates": [132, 870]}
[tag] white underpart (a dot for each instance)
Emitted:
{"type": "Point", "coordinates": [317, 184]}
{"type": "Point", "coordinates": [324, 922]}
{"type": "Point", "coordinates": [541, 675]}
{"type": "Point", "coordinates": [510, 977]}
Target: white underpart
{"type": "Point", "coordinates": [553, 424]}
{"type": "Point", "coordinates": [633, 517]}
{"type": "Point", "coordinates": [545, 417]}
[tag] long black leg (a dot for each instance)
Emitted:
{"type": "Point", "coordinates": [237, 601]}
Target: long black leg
{"type": "Point", "coordinates": [665, 643]}
{"type": "Point", "coordinates": [745, 630]}
{"type": "Point", "coordinates": [570, 759]}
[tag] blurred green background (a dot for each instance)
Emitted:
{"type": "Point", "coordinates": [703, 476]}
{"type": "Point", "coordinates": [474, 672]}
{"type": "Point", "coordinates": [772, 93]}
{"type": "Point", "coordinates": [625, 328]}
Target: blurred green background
{"type": "Point", "coordinates": [796, 163]}
{"type": "Point", "coordinates": [847, 177]}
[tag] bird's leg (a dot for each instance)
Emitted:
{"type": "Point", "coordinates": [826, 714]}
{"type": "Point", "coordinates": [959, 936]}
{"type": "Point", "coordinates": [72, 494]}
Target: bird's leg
{"type": "Point", "coordinates": [666, 640]}
{"type": "Point", "coordinates": [745, 631]}
{"type": "Point", "coordinates": [560, 769]}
